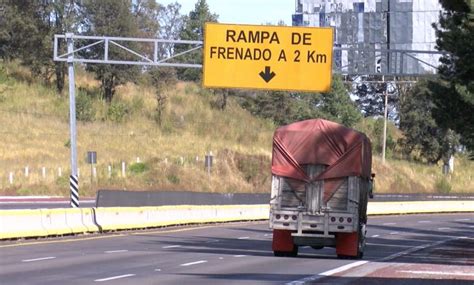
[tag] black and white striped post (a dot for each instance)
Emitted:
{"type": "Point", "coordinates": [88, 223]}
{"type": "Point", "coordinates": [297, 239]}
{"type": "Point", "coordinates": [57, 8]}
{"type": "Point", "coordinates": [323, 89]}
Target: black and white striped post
{"type": "Point", "coordinates": [74, 178]}
{"type": "Point", "coordinates": [74, 185]}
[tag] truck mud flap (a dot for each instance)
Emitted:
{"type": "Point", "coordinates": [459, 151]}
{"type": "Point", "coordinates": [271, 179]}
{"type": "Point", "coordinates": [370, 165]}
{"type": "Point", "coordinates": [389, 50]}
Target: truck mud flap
{"type": "Point", "coordinates": [282, 241]}
{"type": "Point", "coordinates": [347, 245]}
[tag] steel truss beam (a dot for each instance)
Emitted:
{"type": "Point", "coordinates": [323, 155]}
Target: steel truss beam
{"type": "Point", "coordinates": [358, 61]}
{"type": "Point", "coordinates": [154, 58]}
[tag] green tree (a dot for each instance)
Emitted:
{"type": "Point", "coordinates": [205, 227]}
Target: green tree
{"type": "Point", "coordinates": [286, 107]}
{"type": "Point", "coordinates": [336, 105]}
{"type": "Point", "coordinates": [423, 138]}
{"type": "Point", "coordinates": [171, 24]}
{"type": "Point", "coordinates": [147, 16]}
{"type": "Point", "coordinates": [453, 94]}
{"type": "Point", "coordinates": [27, 29]}
{"type": "Point", "coordinates": [111, 18]}
{"type": "Point", "coordinates": [193, 29]}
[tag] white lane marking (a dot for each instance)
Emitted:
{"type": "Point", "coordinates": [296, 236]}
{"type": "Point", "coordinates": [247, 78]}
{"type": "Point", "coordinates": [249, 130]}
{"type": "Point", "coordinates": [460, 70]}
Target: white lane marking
{"type": "Point", "coordinates": [374, 236]}
{"type": "Point", "coordinates": [389, 245]}
{"type": "Point", "coordinates": [240, 255]}
{"type": "Point", "coordinates": [442, 229]}
{"type": "Point", "coordinates": [267, 235]}
{"type": "Point", "coordinates": [343, 268]}
{"type": "Point", "coordinates": [158, 270]}
{"type": "Point", "coordinates": [471, 226]}
{"type": "Point", "coordinates": [243, 237]}
{"type": "Point", "coordinates": [424, 222]}
{"type": "Point", "coordinates": [114, 277]}
{"type": "Point", "coordinates": [194, 263]}
{"type": "Point", "coordinates": [116, 251]}
{"type": "Point", "coordinates": [221, 258]}
{"type": "Point", "coordinates": [437, 273]}
{"type": "Point", "coordinates": [327, 273]}
{"type": "Point", "coordinates": [394, 233]}
{"type": "Point", "coordinates": [171, 246]}
{"type": "Point", "coordinates": [213, 241]}
{"type": "Point", "coordinates": [414, 249]}
{"type": "Point", "coordinates": [38, 259]}
{"type": "Point", "coordinates": [462, 220]}
{"type": "Point", "coordinates": [389, 224]}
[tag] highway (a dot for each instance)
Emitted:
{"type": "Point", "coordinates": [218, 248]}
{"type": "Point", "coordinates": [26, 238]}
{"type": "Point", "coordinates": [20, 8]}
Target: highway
{"type": "Point", "coordinates": [415, 249]}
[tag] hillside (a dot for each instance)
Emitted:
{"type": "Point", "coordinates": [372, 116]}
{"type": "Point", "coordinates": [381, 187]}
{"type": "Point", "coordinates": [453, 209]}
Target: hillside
{"type": "Point", "coordinates": [35, 129]}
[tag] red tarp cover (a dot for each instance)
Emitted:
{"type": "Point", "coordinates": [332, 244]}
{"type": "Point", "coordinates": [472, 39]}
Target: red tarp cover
{"type": "Point", "coordinates": [345, 151]}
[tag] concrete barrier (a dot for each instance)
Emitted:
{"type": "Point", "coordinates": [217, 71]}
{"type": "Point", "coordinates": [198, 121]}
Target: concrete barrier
{"type": "Point", "coordinates": [21, 224]}
{"type": "Point", "coordinates": [55, 222]}
{"type": "Point", "coordinates": [88, 221]}
{"type": "Point", "coordinates": [426, 207]}
{"type": "Point", "coordinates": [48, 222]}
{"type": "Point", "coordinates": [145, 217]}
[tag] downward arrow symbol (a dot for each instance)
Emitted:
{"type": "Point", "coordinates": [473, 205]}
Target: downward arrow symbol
{"type": "Point", "coordinates": [267, 75]}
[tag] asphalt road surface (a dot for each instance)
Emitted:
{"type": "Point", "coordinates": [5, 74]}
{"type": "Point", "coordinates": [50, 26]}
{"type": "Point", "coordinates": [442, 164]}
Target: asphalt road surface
{"type": "Point", "coordinates": [18, 202]}
{"type": "Point", "coordinates": [415, 249]}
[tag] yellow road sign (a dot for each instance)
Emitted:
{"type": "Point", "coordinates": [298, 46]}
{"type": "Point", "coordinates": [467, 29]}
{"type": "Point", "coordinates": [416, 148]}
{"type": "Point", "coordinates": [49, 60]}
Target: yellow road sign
{"type": "Point", "coordinates": [268, 57]}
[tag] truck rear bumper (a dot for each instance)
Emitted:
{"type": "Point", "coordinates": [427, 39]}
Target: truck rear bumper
{"type": "Point", "coordinates": [324, 223]}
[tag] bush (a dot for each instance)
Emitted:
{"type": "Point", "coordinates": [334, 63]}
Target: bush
{"type": "Point", "coordinates": [138, 168]}
{"type": "Point", "coordinates": [85, 111]}
{"type": "Point", "coordinates": [443, 186]}
{"type": "Point", "coordinates": [173, 178]}
{"type": "Point", "coordinates": [117, 112]}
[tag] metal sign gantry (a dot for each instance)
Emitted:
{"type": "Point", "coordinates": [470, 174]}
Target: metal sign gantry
{"type": "Point", "coordinates": [160, 52]}
{"type": "Point", "coordinates": [156, 56]}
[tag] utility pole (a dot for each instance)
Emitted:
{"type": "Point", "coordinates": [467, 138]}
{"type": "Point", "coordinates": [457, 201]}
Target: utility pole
{"type": "Point", "coordinates": [73, 179]}
{"type": "Point", "coordinates": [385, 114]}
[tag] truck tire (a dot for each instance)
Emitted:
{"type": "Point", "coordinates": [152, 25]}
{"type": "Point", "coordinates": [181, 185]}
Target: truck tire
{"type": "Point", "coordinates": [356, 248]}
{"type": "Point", "coordinates": [361, 244]}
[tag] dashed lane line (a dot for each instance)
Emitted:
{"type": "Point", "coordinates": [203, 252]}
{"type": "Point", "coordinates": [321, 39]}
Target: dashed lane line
{"type": "Point", "coordinates": [193, 263]}
{"type": "Point", "coordinates": [171, 246]}
{"type": "Point", "coordinates": [114, 278]}
{"type": "Point", "coordinates": [39, 259]}
{"type": "Point", "coordinates": [116, 251]}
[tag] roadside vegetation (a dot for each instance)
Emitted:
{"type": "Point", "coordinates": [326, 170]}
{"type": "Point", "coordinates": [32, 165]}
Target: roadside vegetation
{"type": "Point", "coordinates": [161, 123]}
{"type": "Point", "coordinates": [35, 130]}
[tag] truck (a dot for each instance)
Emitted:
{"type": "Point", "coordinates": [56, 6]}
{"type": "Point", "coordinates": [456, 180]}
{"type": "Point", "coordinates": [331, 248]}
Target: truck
{"type": "Point", "coordinates": [321, 182]}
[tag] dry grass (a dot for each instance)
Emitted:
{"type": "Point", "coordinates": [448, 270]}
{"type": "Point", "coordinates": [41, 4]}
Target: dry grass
{"type": "Point", "coordinates": [397, 176]}
{"type": "Point", "coordinates": [35, 133]}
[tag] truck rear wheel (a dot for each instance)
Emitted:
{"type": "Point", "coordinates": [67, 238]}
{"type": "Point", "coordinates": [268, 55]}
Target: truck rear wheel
{"type": "Point", "coordinates": [283, 245]}
{"type": "Point", "coordinates": [293, 253]}
{"type": "Point", "coordinates": [352, 245]}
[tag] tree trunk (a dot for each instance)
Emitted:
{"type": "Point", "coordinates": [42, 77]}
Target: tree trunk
{"type": "Point", "coordinates": [108, 84]}
{"type": "Point", "coordinates": [60, 69]}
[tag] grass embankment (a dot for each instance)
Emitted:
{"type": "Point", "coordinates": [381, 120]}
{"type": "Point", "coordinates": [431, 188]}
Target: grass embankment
{"type": "Point", "coordinates": [35, 134]}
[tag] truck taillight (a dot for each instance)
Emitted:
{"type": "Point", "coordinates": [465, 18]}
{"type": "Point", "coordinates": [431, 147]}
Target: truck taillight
{"type": "Point", "coordinates": [294, 218]}
{"type": "Point", "coordinates": [341, 220]}
{"type": "Point", "coordinates": [278, 217]}
{"type": "Point", "coordinates": [286, 217]}
{"type": "Point", "coordinates": [333, 219]}
{"type": "Point", "coordinates": [349, 220]}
